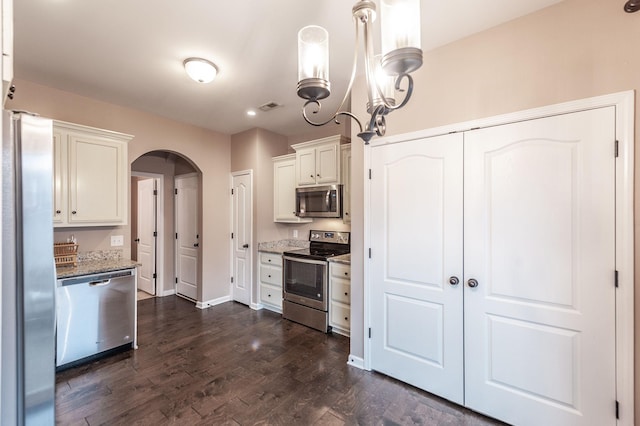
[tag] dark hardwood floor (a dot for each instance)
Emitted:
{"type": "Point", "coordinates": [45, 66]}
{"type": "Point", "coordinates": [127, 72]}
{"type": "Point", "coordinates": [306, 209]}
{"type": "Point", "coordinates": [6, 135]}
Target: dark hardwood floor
{"type": "Point", "coordinates": [231, 365]}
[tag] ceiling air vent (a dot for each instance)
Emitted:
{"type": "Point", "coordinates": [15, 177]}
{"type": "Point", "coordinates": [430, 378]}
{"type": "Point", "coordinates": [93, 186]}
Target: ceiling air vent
{"type": "Point", "coordinates": [269, 106]}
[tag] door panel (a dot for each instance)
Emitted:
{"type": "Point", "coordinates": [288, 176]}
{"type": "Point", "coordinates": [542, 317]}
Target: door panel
{"type": "Point", "coordinates": [242, 256]}
{"type": "Point", "coordinates": [416, 232]}
{"type": "Point", "coordinates": [539, 238]}
{"type": "Point", "coordinates": [147, 242]}
{"type": "Point", "coordinates": [188, 240]}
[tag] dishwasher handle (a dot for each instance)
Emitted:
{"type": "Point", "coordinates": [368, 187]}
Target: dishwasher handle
{"type": "Point", "coordinates": [100, 283]}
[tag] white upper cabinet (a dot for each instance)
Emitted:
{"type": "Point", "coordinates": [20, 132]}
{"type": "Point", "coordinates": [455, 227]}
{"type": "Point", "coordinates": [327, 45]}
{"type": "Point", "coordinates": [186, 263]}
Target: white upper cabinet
{"type": "Point", "coordinates": [318, 161]}
{"type": "Point", "coordinates": [7, 46]}
{"type": "Point", "coordinates": [346, 182]}
{"type": "Point", "coordinates": [90, 176]}
{"type": "Point", "coordinates": [284, 190]}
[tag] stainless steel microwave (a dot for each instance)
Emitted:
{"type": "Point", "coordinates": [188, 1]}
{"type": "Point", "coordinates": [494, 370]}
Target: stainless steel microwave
{"type": "Point", "coordinates": [319, 201]}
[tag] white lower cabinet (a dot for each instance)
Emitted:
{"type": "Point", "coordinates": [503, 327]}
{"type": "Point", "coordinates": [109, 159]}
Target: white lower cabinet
{"type": "Point", "coordinates": [270, 267]}
{"type": "Point", "coordinates": [340, 300]}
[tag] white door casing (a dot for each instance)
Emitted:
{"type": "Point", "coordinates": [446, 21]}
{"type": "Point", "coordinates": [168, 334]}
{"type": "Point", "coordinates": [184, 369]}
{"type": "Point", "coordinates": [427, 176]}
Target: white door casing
{"type": "Point", "coordinates": [146, 240]}
{"type": "Point", "coordinates": [540, 241]}
{"type": "Point", "coordinates": [241, 243]}
{"type": "Point", "coordinates": [416, 218]}
{"type": "Point", "coordinates": [188, 238]}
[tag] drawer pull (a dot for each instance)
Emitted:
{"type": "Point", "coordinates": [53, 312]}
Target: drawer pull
{"type": "Point", "coordinates": [346, 318]}
{"type": "Point", "coordinates": [269, 276]}
{"type": "Point", "coordinates": [269, 260]}
{"type": "Point", "coordinates": [346, 294]}
{"type": "Point", "coordinates": [346, 273]}
{"type": "Point", "coordinates": [268, 295]}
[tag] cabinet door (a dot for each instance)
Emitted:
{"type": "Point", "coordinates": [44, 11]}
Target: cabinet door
{"type": "Point", "coordinates": [60, 205]}
{"type": "Point", "coordinates": [416, 236]}
{"type": "Point", "coordinates": [327, 164]}
{"type": "Point", "coordinates": [345, 170]}
{"type": "Point", "coordinates": [97, 187]}
{"type": "Point", "coordinates": [306, 167]}
{"type": "Point", "coordinates": [284, 192]}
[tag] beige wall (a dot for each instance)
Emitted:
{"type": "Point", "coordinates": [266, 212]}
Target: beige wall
{"type": "Point", "coordinates": [209, 151]}
{"type": "Point", "coordinates": [573, 50]}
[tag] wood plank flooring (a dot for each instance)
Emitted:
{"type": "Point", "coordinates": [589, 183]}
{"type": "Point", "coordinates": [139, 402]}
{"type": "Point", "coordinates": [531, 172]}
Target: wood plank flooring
{"type": "Point", "coordinates": [230, 365]}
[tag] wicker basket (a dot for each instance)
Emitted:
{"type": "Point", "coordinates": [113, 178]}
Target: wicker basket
{"type": "Point", "coordinates": [65, 254]}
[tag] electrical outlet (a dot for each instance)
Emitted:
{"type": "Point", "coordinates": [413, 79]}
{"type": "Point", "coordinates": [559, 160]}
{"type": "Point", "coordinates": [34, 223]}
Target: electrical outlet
{"type": "Point", "coordinates": [117, 240]}
{"type": "Point", "coordinates": [295, 233]}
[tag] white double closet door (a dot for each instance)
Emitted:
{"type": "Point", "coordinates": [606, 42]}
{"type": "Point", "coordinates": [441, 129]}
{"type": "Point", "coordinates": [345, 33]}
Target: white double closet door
{"type": "Point", "coordinates": [526, 211]}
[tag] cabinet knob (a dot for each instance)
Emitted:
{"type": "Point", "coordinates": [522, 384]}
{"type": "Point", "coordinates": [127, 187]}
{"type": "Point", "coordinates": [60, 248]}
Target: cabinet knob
{"type": "Point", "coordinates": [310, 176]}
{"type": "Point", "coordinates": [318, 175]}
{"type": "Point", "coordinates": [268, 295]}
{"type": "Point", "coordinates": [269, 276]}
{"type": "Point", "coordinates": [346, 273]}
{"type": "Point", "coordinates": [346, 213]}
{"type": "Point", "coordinates": [346, 294]}
{"type": "Point", "coordinates": [137, 240]}
{"type": "Point", "coordinates": [58, 211]}
{"type": "Point", "coordinates": [269, 260]}
{"type": "Point", "coordinates": [472, 282]}
{"type": "Point", "coordinates": [346, 318]}
{"type": "Point", "coordinates": [454, 280]}
{"type": "Point", "coordinates": [73, 212]}
{"type": "Point", "coordinates": [196, 245]}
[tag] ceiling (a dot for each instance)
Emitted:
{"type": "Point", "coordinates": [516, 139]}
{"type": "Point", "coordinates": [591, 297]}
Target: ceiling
{"type": "Point", "coordinates": [130, 53]}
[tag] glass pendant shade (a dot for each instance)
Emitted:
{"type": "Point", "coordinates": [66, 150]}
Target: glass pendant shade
{"type": "Point", "coordinates": [385, 83]}
{"type": "Point", "coordinates": [200, 70]}
{"type": "Point", "coordinates": [313, 62]}
{"type": "Point", "coordinates": [400, 30]}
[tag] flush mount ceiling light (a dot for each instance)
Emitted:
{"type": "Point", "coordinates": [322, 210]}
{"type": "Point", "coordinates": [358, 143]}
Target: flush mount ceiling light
{"type": "Point", "coordinates": [200, 70]}
{"type": "Point", "coordinates": [385, 73]}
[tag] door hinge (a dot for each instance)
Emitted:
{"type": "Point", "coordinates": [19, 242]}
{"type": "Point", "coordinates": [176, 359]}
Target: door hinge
{"type": "Point", "coordinates": [617, 410]}
{"type": "Point", "coordinates": [369, 174]}
{"type": "Point", "coordinates": [369, 252]}
{"type": "Point", "coordinates": [175, 191]}
{"type": "Point", "coordinates": [155, 192]}
{"type": "Point", "coordinates": [369, 332]}
{"type": "Point", "coordinates": [176, 280]}
{"type": "Point", "coordinates": [231, 280]}
{"type": "Point", "coordinates": [616, 279]}
{"type": "Point", "coordinates": [154, 275]}
{"type": "Point", "coordinates": [232, 235]}
{"type": "Point", "coordinates": [155, 233]}
{"type": "Point", "coordinates": [231, 191]}
{"type": "Point", "coordinates": [617, 148]}
{"type": "Point", "coordinates": [176, 235]}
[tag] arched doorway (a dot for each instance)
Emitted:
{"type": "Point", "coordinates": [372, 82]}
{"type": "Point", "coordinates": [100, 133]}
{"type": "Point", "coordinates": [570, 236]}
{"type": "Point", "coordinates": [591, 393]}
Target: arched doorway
{"type": "Point", "coordinates": [155, 223]}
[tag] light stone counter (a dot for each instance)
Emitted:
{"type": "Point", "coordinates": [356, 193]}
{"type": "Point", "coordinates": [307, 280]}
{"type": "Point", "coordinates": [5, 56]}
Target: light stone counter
{"type": "Point", "coordinates": [344, 259]}
{"type": "Point", "coordinates": [280, 246]}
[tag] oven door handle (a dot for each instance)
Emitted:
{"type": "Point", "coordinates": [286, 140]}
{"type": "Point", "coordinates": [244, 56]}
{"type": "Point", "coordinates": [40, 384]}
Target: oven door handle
{"type": "Point", "coordinates": [303, 260]}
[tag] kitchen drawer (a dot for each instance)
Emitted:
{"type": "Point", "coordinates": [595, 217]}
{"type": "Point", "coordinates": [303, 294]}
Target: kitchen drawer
{"type": "Point", "coordinates": [271, 275]}
{"type": "Point", "coordinates": [271, 295]}
{"type": "Point", "coordinates": [271, 259]}
{"type": "Point", "coordinates": [341, 316]}
{"type": "Point", "coordinates": [340, 270]}
{"type": "Point", "coordinates": [341, 290]}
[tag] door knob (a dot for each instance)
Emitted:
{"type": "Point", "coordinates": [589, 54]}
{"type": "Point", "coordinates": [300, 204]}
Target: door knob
{"type": "Point", "coordinates": [245, 246]}
{"type": "Point", "coordinates": [137, 240]}
{"type": "Point", "coordinates": [196, 245]}
{"type": "Point", "coordinates": [472, 282]}
{"type": "Point", "coordinates": [454, 280]}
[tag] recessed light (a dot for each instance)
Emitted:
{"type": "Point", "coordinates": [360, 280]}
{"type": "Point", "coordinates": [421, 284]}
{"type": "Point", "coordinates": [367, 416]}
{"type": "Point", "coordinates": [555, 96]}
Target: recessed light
{"type": "Point", "coordinates": [251, 113]}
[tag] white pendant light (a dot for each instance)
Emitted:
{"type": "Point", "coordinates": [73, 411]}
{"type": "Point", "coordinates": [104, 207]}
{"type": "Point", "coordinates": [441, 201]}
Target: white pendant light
{"type": "Point", "coordinates": [200, 70]}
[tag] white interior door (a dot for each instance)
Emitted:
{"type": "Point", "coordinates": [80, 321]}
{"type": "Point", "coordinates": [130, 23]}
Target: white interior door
{"type": "Point", "coordinates": [539, 239]}
{"type": "Point", "coordinates": [242, 206]}
{"type": "Point", "coordinates": [187, 236]}
{"type": "Point", "coordinates": [146, 240]}
{"type": "Point", "coordinates": [416, 235]}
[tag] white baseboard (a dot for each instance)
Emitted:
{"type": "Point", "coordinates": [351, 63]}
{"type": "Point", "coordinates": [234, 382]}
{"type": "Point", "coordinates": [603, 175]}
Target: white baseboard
{"type": "Point", "coordinates": [168, 293]}
{"type": "Point", "coordinates": [256, 306]}
{"type": "Point", "coordinates": [209, 303]}
{"type": "Point", "coordinates": [355, 361]}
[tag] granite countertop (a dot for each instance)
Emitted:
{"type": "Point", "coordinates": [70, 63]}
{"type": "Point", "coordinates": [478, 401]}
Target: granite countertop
{"type": "Point", "coordinates": [95, 266]}
{"type": "Point", "coordinates": [344, 258]}
{"type": "Point", "coordinates": [280, 246]}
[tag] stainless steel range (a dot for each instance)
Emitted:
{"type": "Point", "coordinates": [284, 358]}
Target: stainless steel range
{"type": "Point", "coordinates": [306, 278]}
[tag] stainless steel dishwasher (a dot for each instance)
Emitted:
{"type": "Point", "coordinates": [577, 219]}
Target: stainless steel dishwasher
{"type": "Point", "coordinates": [94, 313]}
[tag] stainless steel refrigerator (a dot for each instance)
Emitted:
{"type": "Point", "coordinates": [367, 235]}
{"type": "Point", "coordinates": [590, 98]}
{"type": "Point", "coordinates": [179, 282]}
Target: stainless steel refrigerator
{"type": "Point", "coordinates": [27, 377]}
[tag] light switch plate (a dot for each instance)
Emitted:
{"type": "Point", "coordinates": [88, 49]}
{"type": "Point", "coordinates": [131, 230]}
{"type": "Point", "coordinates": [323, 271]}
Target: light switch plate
{"type": "Point", "coordinates": [295, 233]}
{"type": "Point", "coordinates": [117, 240]}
